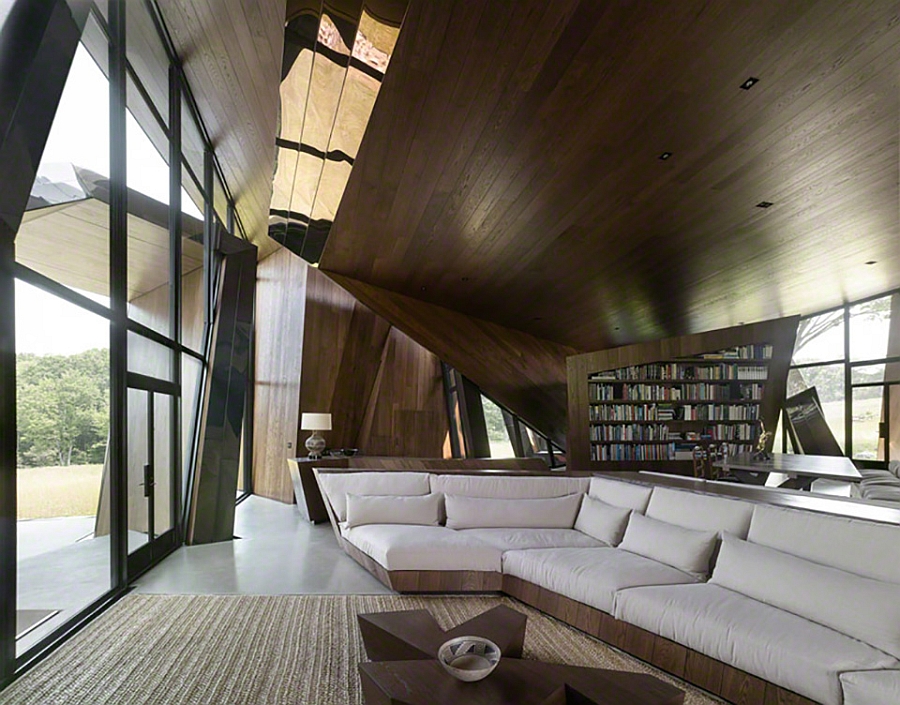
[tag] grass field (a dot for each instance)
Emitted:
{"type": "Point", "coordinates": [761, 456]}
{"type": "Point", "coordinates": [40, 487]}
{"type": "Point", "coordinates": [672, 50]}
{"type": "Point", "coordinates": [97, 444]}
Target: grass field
{"type": "Point", "coordinates": [58, 492]}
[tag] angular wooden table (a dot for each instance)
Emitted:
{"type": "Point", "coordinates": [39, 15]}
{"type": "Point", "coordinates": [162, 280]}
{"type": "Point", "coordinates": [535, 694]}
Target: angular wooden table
{"type": "Point", "coordinates": [404, 671]}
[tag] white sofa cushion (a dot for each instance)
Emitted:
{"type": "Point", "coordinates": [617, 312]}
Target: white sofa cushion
{"type": "Point", "coordinates": [516, 539]}
{"type": "Point", "coordinates": [507, 486]}
{"type": "Point", "coordinates": [894, 467]}
{"type": "Point", "coordinates": [620, 493]}
{"type": "Point", "coordinates": [685, 549]}
{"type": "Point", "coordinates": [479, 513]}
{"type": "Point", "coordinates": [871, 687]}
{"type": "Point", "coordinates": [602, 521]}
{"type": "Point", "coordinates": [882, 492]}
{"type": "Point", "coordinates": [393, 509]}
{"type": "Point", "coordinates": [866, 609]}
{"type": "Point", "coordinates": [853, 545]}
{"type": "Point", "coordinates": [337, 485]}
{"type": "Point", "coordinates": [592, 576]}
{"type": "Point", "coordinates": [400, 547]}
{"type": "Point", "coordinates": [702, 512]}
{"type": "Point", "coordinates": [763, 640]}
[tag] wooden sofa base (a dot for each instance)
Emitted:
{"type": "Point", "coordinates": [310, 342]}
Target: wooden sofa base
{"type": "Point", "coordinates": [419, 581]}
{"type": "Point", "coordinates": [719, 678]}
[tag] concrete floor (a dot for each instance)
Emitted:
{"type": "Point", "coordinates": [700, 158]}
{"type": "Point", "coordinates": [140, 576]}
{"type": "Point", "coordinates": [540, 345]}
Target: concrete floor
{"type": "Point", "coordinates": [63, 568]}
{"type": "Point", "coordinates": [278, 553]}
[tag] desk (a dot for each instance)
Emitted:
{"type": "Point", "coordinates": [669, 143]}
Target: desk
{"type": "Point", "coordinates": [801, 469]}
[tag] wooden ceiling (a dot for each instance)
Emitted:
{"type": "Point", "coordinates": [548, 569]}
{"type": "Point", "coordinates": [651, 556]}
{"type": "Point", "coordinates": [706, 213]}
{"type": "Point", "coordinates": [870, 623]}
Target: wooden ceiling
{"type": "Point", "coordinates": [231, 50]}
{"type": "Point", "coordinates": [511, 167]}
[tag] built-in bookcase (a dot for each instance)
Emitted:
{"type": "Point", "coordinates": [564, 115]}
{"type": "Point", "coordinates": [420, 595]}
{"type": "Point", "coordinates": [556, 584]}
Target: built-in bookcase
{"type": "Point", "coordinates": [647, 406]}
{"type": "Point", "coordinates": [662, 410]}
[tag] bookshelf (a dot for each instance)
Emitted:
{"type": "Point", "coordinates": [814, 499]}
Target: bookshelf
{"type": "Point", "coordinates": [646, 406]}
{"type": "Point", "coordinates": [662, 410]}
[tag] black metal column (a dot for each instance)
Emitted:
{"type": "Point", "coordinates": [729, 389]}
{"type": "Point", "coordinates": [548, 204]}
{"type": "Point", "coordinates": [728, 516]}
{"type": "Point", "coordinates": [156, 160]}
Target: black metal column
{"type": "Point", "coordinates": [118, 285]}
{"type": "Point", "coordinates": [175, 303]}
{"type": "Point", "coordinates": [7, 458]}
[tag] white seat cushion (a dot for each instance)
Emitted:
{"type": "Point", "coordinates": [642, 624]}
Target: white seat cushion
{"type": "Point", "coordinates": [860, 607]}
{"type": "Point", "coordinates": [619, 493]}
{"type": "Point", "coordinates": [515, 539]}
{"type": "Point", "coordinates": [336, 486]}
{"type": "Point", "coordinates": [871, 687]}
{"type": "Point", "coordinates": [399, 547]}
{"type": "Point", "coordinates": [487, 513]}
{"type": "Point", "coordinates": [763, 640]}
{"type": "Point", "coordinates": [592, 576]}
{"type": "Point", "coordinates": [860, 547]}
{"type": "Point", "coordinates": [685, 549]}
{"type": "Point", "coordinates": [508, 486]}
{"type": "Point", "coordinates": [701, 512]}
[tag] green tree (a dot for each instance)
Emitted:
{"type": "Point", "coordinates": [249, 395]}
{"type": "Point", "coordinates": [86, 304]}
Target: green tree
{"type": "Point", "coordinates": [62, 408]}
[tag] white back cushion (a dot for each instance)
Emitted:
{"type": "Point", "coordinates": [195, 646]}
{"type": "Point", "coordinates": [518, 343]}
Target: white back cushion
{"type": "Point", "coordinates": [602, 521]}
{"type": "Point", "coordinates": [423, 510]}
{"type": "Point", "coordinates": [337, 485]}
{"type": "Point", "coordinates": [702, 512]}
{"type": "Point", "coordinates": [507, 486]}
{"type": "Point", "coordinates": [621, 494]}
{"type": "Point", "coordinates": [853, 545]}
{"type": "Point", "coordinates": [681, 548]}
{"type": "Point", "coordinates": [863, 608]}
{"type": "Point", "coordinates": [483, 513]}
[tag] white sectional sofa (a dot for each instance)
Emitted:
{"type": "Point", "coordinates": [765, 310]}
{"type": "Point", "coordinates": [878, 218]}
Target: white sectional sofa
{"type": "Point", "coordinates": [755, 602]}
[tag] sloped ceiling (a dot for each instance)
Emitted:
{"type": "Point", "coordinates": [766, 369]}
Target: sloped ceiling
{"type": "Point", "coordinates": [512, 167]}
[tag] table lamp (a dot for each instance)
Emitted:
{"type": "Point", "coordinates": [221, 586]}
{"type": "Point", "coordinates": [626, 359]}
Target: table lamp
{"type": "Point", "coordinates": [315, 444]}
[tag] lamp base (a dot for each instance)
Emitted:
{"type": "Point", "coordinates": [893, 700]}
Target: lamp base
{"type": "Point", "coordinates": [315, 444]}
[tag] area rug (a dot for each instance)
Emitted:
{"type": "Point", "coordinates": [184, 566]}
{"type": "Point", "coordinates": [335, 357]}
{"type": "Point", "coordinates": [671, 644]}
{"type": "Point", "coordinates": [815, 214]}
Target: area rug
{"type": "Point", "coordinates": [262, 650]}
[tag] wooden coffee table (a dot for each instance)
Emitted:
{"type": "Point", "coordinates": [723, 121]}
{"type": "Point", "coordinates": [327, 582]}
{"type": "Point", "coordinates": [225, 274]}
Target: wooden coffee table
{"type": "Point", "coordinates": [405, 671]}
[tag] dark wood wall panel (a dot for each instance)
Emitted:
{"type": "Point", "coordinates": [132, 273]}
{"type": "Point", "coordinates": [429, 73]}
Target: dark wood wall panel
{"type": "Point", "coordinates": [280, 315]}
{"type": "Point", "coordinates": [407, 413]}
{"type": "Point", "coordinates": [522, 372]}
{"type": "Point", "coordinates": [232, 51]}
{"type": "Point", "coordinates": [511, 167]}
{"type": "Point", "coordinates": [780, 333]}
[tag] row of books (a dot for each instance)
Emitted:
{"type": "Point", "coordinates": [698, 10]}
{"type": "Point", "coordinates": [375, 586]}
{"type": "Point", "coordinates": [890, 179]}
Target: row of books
{"type": "Point", "coordinates": [757, 351]}
{"type": "Point", "coordinates": [661, 432]}
{"type": "Point", "coordinates": [692, 391]}
{"type": "Point", "coordinates": [667, 412]}
{"type": "Point", "coordinates": [660, 451]}
{"type": "Point", "coordinates": [681, 371]}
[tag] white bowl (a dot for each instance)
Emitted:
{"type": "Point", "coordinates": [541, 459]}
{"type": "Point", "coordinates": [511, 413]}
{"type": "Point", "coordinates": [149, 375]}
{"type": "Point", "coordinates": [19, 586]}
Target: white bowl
{"type": "Point", "coordinates": [469, 658]}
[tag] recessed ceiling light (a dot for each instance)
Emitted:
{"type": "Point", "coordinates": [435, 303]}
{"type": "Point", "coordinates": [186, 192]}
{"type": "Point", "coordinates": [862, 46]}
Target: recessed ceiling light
{"type": "Point", "coordinates": [872, 261]}
{"type": "Point", "coordinates": [465, 279]}
{"type": "Point", "coordinates": [424, 288]}
{"type": "Point", "coordinates": [764, 204]}
{"type": "Point", "coordinates": [665, 155]}
{"type": "Point", "coordinates": [749, 83]}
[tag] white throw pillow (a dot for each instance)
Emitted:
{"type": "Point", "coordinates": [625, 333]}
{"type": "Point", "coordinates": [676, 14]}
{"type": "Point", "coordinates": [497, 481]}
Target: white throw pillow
{"type": "Point", "coordinates": [480, 513]}
{"type": "Point", "coordinates": [601, 520]}
{"type": "Point", "coordinates": [894, 467]}
{"type": "Point", "coordinates": [685, 549]}
{"type": "Point", "coordinates": [863, 608]}
{"type": "Point", "coordinates": [424, 510]}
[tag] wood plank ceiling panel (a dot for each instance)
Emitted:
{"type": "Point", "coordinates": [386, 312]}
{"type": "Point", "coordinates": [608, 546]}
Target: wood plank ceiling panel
{"type": "Point", "coordinates": [511, 167]}
{"type": "Point", "coordinates": [231, 52]}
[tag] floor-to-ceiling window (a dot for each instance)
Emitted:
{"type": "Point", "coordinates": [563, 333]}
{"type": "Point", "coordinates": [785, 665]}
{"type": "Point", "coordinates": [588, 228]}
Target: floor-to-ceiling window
{"type": "Point", "coordinates": [114, 267]}
{"type": "Point", "coordinates": [851, 355]}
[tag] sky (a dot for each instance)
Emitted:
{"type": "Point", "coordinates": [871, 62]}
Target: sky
{"type": "Point", "coordinates": [44, 323]}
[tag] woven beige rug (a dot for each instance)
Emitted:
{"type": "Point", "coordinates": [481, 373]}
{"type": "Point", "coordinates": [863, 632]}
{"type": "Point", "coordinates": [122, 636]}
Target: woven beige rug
{"type": "Point", "coordinates": [255, 650]}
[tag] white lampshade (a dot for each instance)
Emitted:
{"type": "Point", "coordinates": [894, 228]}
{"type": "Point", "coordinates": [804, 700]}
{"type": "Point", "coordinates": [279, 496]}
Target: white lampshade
{"type": "Point", "coordinates": [315, 422]}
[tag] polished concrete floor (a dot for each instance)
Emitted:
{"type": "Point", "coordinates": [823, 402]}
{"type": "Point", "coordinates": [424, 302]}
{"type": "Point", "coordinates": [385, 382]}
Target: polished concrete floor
{"type": "Point", "coordinates": [277, 553]}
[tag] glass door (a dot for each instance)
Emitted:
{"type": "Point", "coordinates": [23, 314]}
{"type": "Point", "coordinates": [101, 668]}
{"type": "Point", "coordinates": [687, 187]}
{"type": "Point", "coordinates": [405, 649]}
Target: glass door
{"type": "Point", "coordinates": [151, 471]}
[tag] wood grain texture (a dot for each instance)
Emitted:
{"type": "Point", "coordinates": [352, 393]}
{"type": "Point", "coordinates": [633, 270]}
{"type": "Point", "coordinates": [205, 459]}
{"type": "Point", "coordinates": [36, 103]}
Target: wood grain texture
{"type": "Point", "coordinates": [384, 391]}
{"type": "Point", "coordinates": [232, 51]}
{"type": "Point", "coordinates": [519, 180]}
{"type": "Point", "coordinates": [280, 315]}
{"type": "Point", "coordinates": [779, 333]}
{"type": "Point", "coordinates": [522, 372]}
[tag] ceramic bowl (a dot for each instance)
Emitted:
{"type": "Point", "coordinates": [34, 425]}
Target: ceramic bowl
{"type": "Point", "coordinates": [469, 658]}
